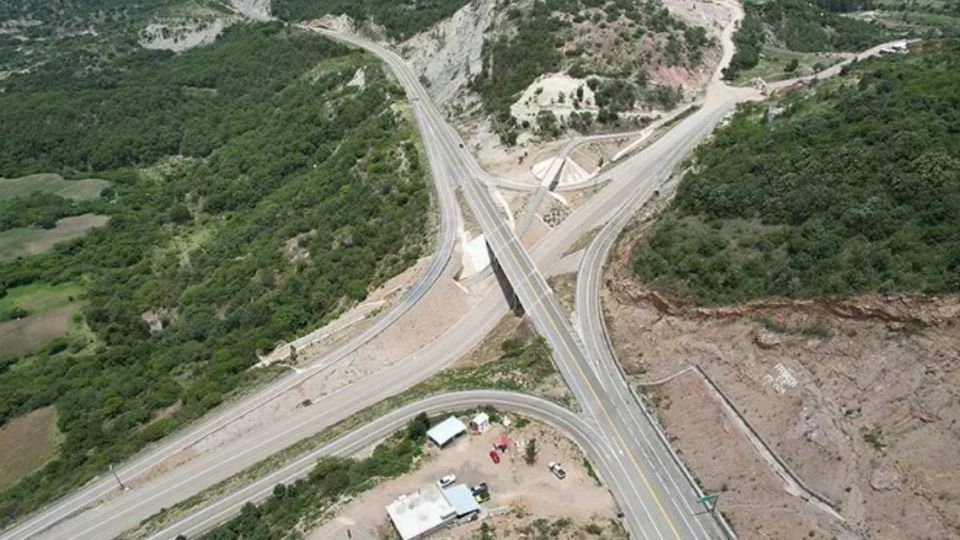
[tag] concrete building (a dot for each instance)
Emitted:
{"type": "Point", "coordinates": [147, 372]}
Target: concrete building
{"type": "Point", "coordinates": [446, 432]}
{"type": "Point", "coordinates": [418, 514]}
{"type": "Point", "coordinates": [480, 423]}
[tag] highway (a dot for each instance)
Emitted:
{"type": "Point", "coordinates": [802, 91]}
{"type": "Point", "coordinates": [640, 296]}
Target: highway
{"type": "Point", "coordinates": [648, 514]}
{"type": "Point", "coordinates": [568, 423]}
{"type": "Point", "coordinates": [104, 486]}
{"type": "Point", "coordinates": [655, 504]}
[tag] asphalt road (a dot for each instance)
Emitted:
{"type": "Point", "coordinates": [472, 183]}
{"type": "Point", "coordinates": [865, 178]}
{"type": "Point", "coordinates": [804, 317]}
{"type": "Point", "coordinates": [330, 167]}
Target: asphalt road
{"type": "Point", "coordinates": [637, 421]}
{"type": "Point", "coordinates": [104, 486]}
{"type": "Point", "coordinates": [82, 516]}
{"type": "Point", "coordinates": [101, 511]}
{"type": "Point", "coordinates": [570, 424]}
{"type": "Point", "coordinates": [655, 505]}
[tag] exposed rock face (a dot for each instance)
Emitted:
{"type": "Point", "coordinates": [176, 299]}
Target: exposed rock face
{"type": "Point", "coordinates": [181, 35]}
{"type": "Point", "coordinates": [450, 53]}
{"type": "Point", "coordinates": [258, 10]}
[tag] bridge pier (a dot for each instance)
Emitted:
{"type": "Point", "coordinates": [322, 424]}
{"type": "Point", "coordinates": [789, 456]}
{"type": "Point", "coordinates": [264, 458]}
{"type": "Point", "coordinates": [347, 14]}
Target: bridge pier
{"type": "Point", "coordinates": [505, 286]}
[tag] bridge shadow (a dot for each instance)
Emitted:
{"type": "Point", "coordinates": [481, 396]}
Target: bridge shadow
{"type": "Point", "coordinates": [505, 286]}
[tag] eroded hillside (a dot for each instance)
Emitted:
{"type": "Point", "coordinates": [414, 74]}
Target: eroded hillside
{"type": "Point", "coordinates": [804, 282]}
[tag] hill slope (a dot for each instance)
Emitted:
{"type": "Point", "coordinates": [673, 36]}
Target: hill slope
{"type": "Point", "coordinates": [255, 193]}
{"type": "Point", "coordinates": [853, 186]}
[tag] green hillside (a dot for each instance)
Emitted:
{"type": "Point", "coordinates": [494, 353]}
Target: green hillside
{"type": "Point", "coordinates": [851, 187]}
{"type": "Point", "coordinates": [224, 162]}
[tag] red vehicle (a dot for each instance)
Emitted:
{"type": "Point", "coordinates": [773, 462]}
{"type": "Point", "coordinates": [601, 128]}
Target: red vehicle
{"type": "Point", "coordinates": [495, 457]}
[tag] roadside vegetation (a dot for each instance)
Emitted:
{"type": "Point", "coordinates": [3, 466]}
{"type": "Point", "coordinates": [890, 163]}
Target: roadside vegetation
{"type": "Point", "coordinates": [216, 159]}
{"type": "Point", "coordinates": [848, 187]}
{"type": "Point", "coordinates": [308, 499]}
{"type": "Point", "coordinates": [513, 359]}
{"type": "Point", "coordinates": [801, 26]}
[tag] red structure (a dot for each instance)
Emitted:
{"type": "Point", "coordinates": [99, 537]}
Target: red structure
{"type": "Point", "coordinates": [501, 443]}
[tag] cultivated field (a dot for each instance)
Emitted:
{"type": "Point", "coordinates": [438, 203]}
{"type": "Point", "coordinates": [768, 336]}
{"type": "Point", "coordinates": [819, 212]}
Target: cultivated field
{"type": "Point", "coordinates": [27, 335]}
{"type": "Point", "coordinates": [30, 241]}
{"type": "Point", "coordinates": [77, 190]}
{"type": "Point", "coordinates": [45, 313]}
{"type": "Point", "coordinates": [26, 443]}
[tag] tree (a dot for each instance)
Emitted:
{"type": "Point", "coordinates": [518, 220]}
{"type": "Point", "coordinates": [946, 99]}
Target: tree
{"type": "Point", "coordinates": [791, 66]}
{"type": "Point", "coordinates": [180, 214]}
{"type": "Point", "coordinates": [530, 452]}
{"type": "Point", "coordinates": [417, 428]}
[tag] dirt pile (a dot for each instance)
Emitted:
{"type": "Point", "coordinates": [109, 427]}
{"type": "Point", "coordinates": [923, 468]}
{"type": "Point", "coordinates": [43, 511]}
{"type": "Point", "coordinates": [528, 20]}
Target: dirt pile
{"type": "Point", "coordinates": [860, 397]}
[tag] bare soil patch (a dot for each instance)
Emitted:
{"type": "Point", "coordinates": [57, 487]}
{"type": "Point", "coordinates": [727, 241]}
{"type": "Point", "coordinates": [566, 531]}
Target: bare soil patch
{"type": "Point", "coordinates": [524, 499]}
{"type": "Point", "coordinates": [31, 241]}
{"type": "Point", "coordinates": [29, 334]}
{"type": "Point", "coordinates": [860, 397]}
{"type": "Point", "coordinates": [51, 183]}
{"type": "Point", "coordinates": [26, 443]}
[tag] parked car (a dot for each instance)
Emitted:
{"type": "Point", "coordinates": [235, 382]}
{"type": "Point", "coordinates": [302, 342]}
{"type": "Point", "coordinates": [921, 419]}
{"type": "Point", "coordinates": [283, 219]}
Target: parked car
{"type": "Point", "coordinates": [479, 488]}
{"type": "Point", "coordinates": [446, 480]}
{"type": "Point", "coordinates": [557, 470]}
{"type": "Point", "coordinates": [494, 456]}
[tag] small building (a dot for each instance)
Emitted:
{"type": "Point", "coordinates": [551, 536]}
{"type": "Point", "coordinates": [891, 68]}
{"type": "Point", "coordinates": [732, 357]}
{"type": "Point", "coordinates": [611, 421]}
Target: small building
{"type": "Point", "coordinates": [418, 514]}
{"type": "Point", "coordinates": [501, 443]}
{"type": "Point", "coordinates": [480, 423]}
{"type": "Point", "coordinates": [446, 432]}
{"type": "Point", "coordinates": [462, 500]}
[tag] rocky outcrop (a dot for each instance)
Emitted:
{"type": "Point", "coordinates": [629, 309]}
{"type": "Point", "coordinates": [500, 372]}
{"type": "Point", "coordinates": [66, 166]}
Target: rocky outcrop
{"type": "Point", "coordinates": [449, 54]}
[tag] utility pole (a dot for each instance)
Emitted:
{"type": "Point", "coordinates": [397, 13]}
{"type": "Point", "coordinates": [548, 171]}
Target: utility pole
{"type": "Point", "coordinates": [117, 478]}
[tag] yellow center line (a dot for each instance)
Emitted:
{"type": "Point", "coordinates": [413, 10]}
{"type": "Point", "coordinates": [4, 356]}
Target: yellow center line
{"type": "Point", "coordinates": [593, 390]}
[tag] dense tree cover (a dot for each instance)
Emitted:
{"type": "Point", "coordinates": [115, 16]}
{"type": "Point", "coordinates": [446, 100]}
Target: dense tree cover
{"type": "Point", "coordinates": [844, 6]}
{"type": "Point", "coordinates": [853, 186]}
{"type": "Point", "coordinates": [513, 60]}
{"type": "Point", "coordinates": [799, 25]}
{"type": "Point", "coordinates": [803, 26]}
{"type": "Point", "coordinates": [331, 479]}
{"type": "Point", "coordinates": [271, 144]}
{"type": "Point", "coordinates": [399, 18]}
{"type": "Point", "coordinates": [42, 210]}
{"type": "Point", "coordinates": [748, 40]}
{"type": "Point", "coordinates": [37, 30]}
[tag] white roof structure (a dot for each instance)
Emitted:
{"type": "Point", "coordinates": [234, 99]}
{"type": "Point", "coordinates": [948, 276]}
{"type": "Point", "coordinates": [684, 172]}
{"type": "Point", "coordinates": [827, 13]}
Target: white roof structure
{"type": "Point", "coordinates": [418, 514]}
{"type": "Point", "coordinates": [480, 422]}
{"type": "Point", "coordinates": [462, 500]}
{"type": "Point", "coordinates": [446, 431]}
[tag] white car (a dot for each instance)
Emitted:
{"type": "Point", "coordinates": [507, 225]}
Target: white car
{"type": "Point", "coordinates": [557, 470]}
{"type": "Point", "coordinates": [446, 481]}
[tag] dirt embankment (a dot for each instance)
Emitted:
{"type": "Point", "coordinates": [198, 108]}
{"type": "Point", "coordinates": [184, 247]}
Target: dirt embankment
{"type": "Point", "coordinates": [860, 397]}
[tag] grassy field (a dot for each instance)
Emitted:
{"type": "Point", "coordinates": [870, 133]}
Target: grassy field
{"type": "Point", "coordinates": [31, 241]}
{"type": "Point", "coordinates": [78, 190]}
{"type": "Point", "coordinates": [775, 59]}
{"type": "Point", "coordinates": [38, 298]}
{"type": "Point", "coordinates": [49, 311]}
{"type": "Point", "coordinates": [26, 443]}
